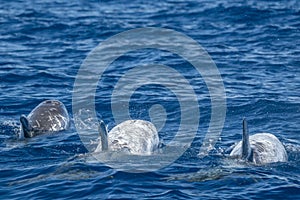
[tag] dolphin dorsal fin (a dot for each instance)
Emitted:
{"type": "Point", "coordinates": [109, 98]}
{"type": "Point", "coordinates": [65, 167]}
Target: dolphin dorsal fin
{"type": "Point", "coordinates": [246, 149]}
{"type": "Point", "coordinates": [103, 135]}
{"type": "Point", "coordinates": [25, 127]}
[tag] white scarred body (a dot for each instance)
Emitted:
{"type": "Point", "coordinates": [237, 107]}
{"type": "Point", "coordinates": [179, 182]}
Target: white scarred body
{"type": "Point", "coordinates": [137, 137]}
{"type": "Point", "coordinates": [266, 148]}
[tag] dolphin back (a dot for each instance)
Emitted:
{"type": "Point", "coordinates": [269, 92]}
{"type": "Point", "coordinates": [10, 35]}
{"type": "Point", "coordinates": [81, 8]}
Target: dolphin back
{"type": "Point", "coordinates": [136, 137]}
{"type": "Point", "coordinates": [267, 148]}
{"type": "Point", "coordinates": [48, 116]}
{"type": "Point", "coordinates": [260, 148]}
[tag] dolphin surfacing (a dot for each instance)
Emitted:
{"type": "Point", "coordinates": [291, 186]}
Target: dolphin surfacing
{"type": "Point", "coordinates": [260, 148]}
{"type": "Point", "coordinates": [48, 116]}
{"type": "Point", "coordinates": [138, 137]}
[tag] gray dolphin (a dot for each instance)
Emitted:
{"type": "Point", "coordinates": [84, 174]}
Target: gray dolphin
{"type": "Point", "coordinates": [137, 137]}
{"type": "Point", "coordinates": [48, 116]}
{"type": "Point", "coordinates": [260, 148]}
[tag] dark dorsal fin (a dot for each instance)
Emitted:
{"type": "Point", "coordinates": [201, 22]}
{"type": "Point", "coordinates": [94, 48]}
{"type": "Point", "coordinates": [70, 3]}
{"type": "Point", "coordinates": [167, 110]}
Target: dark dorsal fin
{"type": "Point", "coordinates": [246, 149]}
{"type": "Point", "coordinates": [25, 127]}
{"type": "Point", "coordinates": [103, 135]}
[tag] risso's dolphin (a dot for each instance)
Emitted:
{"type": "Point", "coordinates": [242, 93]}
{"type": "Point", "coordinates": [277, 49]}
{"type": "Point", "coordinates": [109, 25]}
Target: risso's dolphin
{"type": "Point", "coordinates": [48, 116]}
{"type": "Point", "coordinates": [260, 148]}
{"type": "Point", "coordinates": [137, 137]}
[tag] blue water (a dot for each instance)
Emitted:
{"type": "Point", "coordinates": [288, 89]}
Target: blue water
{"type": "Point", "coordinates": [255, 45]}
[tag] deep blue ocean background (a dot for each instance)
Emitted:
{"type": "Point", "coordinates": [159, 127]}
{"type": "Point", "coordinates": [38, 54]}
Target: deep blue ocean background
{"type": "Point", "coordinates": [255, 45]}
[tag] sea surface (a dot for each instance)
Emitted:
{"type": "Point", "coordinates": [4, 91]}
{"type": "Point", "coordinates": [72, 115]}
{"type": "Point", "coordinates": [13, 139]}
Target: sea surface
{"type": "Point", "coordinates": [255, 46]}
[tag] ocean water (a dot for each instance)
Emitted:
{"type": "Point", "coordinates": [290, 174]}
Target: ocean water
{"type": "Point", "coordinates": [254, 45]}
